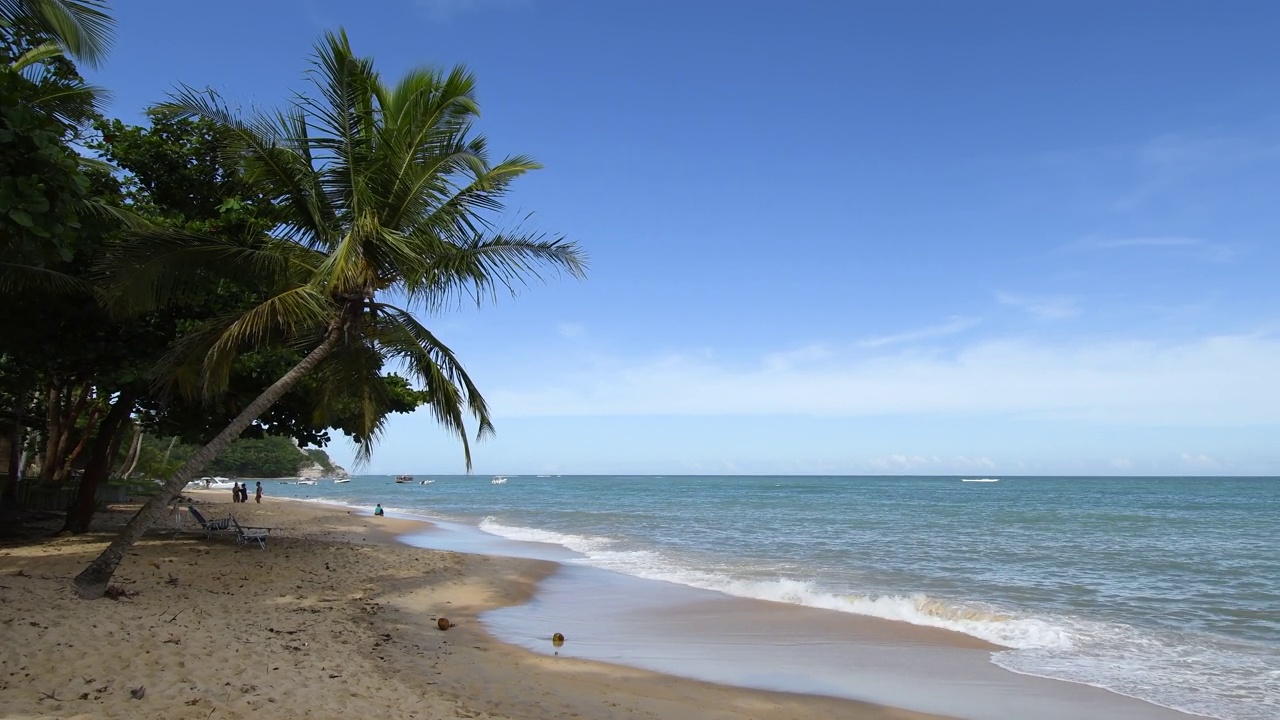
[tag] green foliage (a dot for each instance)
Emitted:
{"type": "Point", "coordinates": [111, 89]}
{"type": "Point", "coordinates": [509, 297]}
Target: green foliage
{"type": "Point", "coordinates": [253, 458]}
{"type": "Point", "coordinates": [321, 458]}
{"type": "Point", "coordinates": [180, 174]}
{"type": "Point", "coordinates": [42, 190]}
{"type": "Point", "coordinates": [268, 457]}
{"type": "Point", "coordinates": [81, 28]}
{"type": "Point", "coordinates": [383, 192]}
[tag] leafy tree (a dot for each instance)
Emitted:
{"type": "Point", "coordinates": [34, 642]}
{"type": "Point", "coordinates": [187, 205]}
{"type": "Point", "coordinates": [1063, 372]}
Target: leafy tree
{"type": "Point", "coordinates": [265, 457]}
{"type": "Point", "coordinates": [321, 458]}
{"type": "Point", "coordinates": [42, 190]}
{"type": "Point", "coordinates": [181, 173]}
{"type": "Point", "coordinates": [385, 191]}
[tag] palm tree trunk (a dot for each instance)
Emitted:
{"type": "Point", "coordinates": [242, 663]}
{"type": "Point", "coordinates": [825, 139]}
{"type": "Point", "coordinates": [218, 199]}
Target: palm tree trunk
{"type": "Point", "coordinates": [135, 450]}
{"type": "Point", "coordinates": [92, 581]}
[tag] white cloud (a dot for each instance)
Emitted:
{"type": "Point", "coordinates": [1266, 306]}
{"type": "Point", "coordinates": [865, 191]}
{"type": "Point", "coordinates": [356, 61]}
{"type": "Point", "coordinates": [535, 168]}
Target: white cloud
{"type": "Point", "coordinates": [1194, 247]}
{"type": "Point", "coordinates": [1144, 242]}
{"type": "Point", "coordinates": [1177, 160]}
{"type": "Point", "coordinates": [930, 463]}
{"type": "Point", "coordinates": [571, 331]}
{"type": "Point", "coordinates": [951, 327]}
{"type": "Point", "coordinates": [447, 10]}
{"type": "Point", "coordinates": [807, 355]}
{"type": "Point", "coordinates": [1042, 307]}
{"type": "Point", "coordinates": [1199, 459]}
{"type": "Point", "coordinates": [1213, 381]}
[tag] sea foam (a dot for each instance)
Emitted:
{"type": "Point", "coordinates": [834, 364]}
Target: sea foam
{"type": "Point", "coordinates": [1175, 672]}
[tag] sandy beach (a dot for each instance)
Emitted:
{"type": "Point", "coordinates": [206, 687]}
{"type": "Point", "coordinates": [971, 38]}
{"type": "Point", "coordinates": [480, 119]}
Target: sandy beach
{"type": "Point", "coordinates": [335, 619]}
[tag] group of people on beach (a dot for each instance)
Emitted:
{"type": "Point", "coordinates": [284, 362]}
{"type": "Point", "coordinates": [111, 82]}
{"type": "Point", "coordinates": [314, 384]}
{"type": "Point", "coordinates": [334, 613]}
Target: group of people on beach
{"type": "Point", "coordinates": [240, 493]}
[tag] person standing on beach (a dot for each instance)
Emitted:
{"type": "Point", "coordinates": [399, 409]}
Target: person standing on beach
{"type": "Point", "coordinates": [235, 492]}
{"type": "Point", "coordinates": [257, 495]}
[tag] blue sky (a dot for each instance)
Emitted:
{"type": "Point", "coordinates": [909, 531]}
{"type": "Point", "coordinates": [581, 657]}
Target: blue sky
{"type": "Point", "coordinates": [894, 237]}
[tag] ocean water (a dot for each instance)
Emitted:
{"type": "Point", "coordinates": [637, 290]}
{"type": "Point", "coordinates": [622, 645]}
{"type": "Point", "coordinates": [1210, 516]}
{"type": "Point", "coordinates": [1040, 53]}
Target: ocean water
{"type": "Point", "coordinates": [1162, 589]}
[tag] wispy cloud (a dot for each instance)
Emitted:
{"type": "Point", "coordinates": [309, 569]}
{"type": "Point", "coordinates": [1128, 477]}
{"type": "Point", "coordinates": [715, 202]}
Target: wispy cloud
{"type": "Point", "coordinates": [1056, 307]}
{"type": "Point", "coordinates": [1194, 247]}
{"type": "Point", "coordinates": [931, 463]}
{"type": "Point", "coordinates": [789, 359]}
{"type": "Point", "coordinates": [1212, 381]}
{"type": "Point", "coordinates": [1199, 460]}
{"type": "Point", "coordinates": [952, 327]}
{"type": "Point", "coordinates": [447, 10]}
{"type": "Point", "coordinates": [1158, 242]}
{"type": "Point", "coordinates": [571, 330]}
{"type": "Point", "coordinates": [1171, 160]}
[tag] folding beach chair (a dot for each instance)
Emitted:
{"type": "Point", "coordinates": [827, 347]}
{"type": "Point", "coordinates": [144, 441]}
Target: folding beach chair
{"type": "Point", "coordinates": [250, 534]}
{"type": "Point", "coordinates": [210, 526]}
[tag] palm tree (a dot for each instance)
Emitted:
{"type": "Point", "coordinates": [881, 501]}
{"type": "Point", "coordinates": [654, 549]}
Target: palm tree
{"type": "Point", "coordinates": [79, 28]}
{"type": "Point", "coordinates": [384, 194]}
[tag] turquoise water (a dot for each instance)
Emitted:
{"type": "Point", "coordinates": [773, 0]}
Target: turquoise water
{"type": "Point", "coordinates": [1164, 589]}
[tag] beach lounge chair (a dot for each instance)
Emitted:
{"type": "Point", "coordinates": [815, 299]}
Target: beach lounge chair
{"type": "Point", "coordinates": [210, 526]}
{"type": "Point", "coordinates": [250, 534]}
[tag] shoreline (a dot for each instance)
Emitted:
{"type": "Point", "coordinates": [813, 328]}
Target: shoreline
{"type": "Point", "coordinates": [335, 617]}
{"type": "Point", "coordinates": [832, 653]}
{"type": "Point", "coordinates": [889, 657]}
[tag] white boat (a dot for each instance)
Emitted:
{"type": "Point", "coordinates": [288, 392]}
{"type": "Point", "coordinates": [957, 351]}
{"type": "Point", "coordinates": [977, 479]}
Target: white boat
{"type": "Point", "coordinates": [339, 481]}
{"type": "Point", "coordinates": [498, 480]}
{"type": "Point", "coordinates": [426, 482]}
{"type": "Point", "coordinates": [980, 480]}
{"type": "Point", "coordinates": [306, 482]}
{"type": "Point", "coordinates": [211, 483]}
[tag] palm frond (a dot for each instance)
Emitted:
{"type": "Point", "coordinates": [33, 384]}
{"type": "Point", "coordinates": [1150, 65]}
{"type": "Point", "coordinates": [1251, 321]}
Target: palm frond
{"type": "Point", "coordinates": [401, 337]}
{"type": "Point", "coordinates": [121, 215]}
{"type": "Point", "coordinates": [152, 267]}
{"type": "Point", "coordinates": [352, 377]}
{"type": "Point", "coordinates": [300, 310]}
{"type": "Point", "coordinates": [479, 267]}
{"type": "Point", "coordinates": [71, 102]}
{"type": "Point", "coordinates": [36, 55]}
{"type": "Point", "coordinates": [17, 278]}
{"type": "Point", "coordinates": [83, 27]}
{"type": "Point", "coordinates": [267, 147]}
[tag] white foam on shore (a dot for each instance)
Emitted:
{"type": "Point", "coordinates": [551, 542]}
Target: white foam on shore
{"type": "Point", "coordinates": [984, 623]}
{"type": "Point", "coordinates": [584, 544]}
{"type": "Point", "coordinates": [1205, 675]}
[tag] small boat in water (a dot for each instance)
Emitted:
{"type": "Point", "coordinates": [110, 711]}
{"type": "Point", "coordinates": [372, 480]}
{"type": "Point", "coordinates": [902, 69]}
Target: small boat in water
{"type": "Point", "coordinates": [426, 482]}
{"type": "Point", "coordinates": [498, 480]}
{"type": "Point", "coordinates": [306, 482]}
{"type": "Point", "coordinates": [404, 479]}
{"type": "Point", "coordinates": [980, 480]}
{"type": "Point", "coordinates": [339, 481]}
{"type": "Point", "coordinates": [211, 483]}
